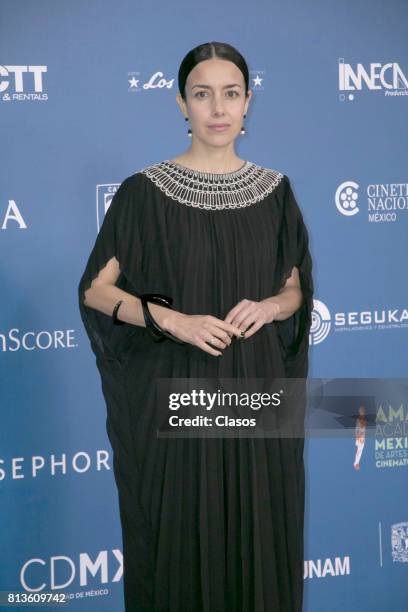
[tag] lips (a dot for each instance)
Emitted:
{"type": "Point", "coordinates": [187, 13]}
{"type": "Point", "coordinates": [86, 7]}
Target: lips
{"type": "Point", "coordinates": [219, 125]}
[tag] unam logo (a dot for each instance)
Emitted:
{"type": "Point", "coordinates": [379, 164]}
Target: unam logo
{"type": "Point", "coordinates": [399, 542]}
{"type": "Point", "coordinates": [321, 322]}
{"type": "Point", "coordinates": [346, 198]}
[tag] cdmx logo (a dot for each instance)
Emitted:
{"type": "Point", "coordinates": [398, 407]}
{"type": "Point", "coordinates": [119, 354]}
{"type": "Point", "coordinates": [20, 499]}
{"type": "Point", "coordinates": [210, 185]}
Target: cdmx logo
{"type": "Point", "coordinates": [321, 322]}
{"type": "Point", "coordinates": [60, 572]}
{"type": "Point", "coordinates": [388, 77]}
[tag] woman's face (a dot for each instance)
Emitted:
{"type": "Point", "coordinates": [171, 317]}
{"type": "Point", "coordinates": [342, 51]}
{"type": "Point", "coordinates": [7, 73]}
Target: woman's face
{"type": "Point", "coordinates": [215, 94]}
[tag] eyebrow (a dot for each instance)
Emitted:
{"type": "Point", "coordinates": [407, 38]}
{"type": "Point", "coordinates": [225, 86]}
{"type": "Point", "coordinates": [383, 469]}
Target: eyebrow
{"type": "Point", "coordinates": [225, 87]}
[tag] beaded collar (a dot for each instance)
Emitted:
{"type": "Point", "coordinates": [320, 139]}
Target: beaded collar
{"type": "Point", "coordinates": [211, 190]}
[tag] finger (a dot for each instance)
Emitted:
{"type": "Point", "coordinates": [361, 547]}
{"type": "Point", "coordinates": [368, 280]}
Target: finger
{"type": "Point", "coordinates": [254, 328]}
{"type": "Point", "coordinates": [205, 347]}
{"type": "Point", "coordinates": [222, 335]}
{"type": "Point", "coordinates": [234, 311]}
{"type": "Point", "coordinates": [248, 321]}
{"type": "Point", "coordinates": [253, 313]}
{"type": "Point", "coordinates": [228, 327]}
{"type": "Point", "coordinates": [212, 339]}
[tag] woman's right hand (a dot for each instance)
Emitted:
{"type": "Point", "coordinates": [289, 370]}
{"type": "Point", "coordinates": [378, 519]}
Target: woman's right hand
{"type": "Point", "coordinates": [198, 330]}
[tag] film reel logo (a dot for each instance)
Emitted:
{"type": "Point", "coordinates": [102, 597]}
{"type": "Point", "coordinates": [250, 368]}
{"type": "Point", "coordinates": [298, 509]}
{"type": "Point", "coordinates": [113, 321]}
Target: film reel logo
{"type": "Point", "coordinates": [346, 198]}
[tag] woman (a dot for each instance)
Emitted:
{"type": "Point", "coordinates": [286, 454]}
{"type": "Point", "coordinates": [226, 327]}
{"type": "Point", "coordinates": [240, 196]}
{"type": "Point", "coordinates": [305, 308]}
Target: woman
{"type": "Point", "coordinates": [210, 525]}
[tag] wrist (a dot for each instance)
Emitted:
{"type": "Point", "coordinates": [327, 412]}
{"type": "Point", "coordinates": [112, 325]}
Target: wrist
{"type": "Point", "coordinates": [273, 309]}
{"type": "Point", "coordinates": [163, 316]}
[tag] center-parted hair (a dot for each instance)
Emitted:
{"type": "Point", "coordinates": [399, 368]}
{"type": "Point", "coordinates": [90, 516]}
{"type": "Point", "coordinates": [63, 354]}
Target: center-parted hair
{"type": "Point", "coordinates": [208, 51]}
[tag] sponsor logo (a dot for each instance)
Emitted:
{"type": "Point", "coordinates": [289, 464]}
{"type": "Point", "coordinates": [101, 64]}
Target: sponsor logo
{"type": "Point", "coordinates": [22, 83]}
{"type": "Point", "coordinates": [350, 321]}
{"type": "Point", "coordinates": [136, 83]}
{"type": "Point", "coordinates": [17, 340]}
{"type": "Point", "coordinates": [156, 81]}
{"type": "Point", "coordinates": [12, 217]}
{"type": "Point", "coordinates": [321, 568]}
{"type": "Point", "coordinates": [321, 322]}
{"type": "Point", "coordinates": [104, 195]}
{"type": "Point", "coordinates": [399, 542]}
{"type": "Point", "coordinates": [60, 572]}
{"type": "Point", "coordinates": [388, 78]}
{"type": "Point", "coordinates": [383, 201]}
{"type": "Point", "coordinates": [257, 77]}
{"type": "Point", "coordinates": [391, 436]}
{"type": "Point", "coordinates": [40, 466]}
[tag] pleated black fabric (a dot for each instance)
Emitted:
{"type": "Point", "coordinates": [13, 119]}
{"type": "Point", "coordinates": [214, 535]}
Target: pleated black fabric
{"type": "Point", "coordinates": [209, 525]}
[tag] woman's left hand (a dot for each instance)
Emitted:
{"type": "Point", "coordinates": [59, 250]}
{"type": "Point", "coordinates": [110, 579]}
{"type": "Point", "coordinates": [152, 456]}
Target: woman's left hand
{"type": "Point", "coordinates": [248, 313]}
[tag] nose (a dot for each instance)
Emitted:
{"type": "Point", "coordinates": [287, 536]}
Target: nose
{"type": "Point", "coordinates": [218, 105]}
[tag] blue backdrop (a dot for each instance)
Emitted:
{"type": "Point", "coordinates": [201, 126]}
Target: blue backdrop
{"type": "Point", "coordinates": [87, 97]}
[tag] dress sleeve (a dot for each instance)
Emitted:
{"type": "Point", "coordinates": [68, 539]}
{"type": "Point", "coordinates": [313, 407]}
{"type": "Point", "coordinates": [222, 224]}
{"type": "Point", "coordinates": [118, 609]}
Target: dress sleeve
{"type": "Point", "coordinates": [118, 237]}
{"type": "Point", "coordinates": [293, 250]}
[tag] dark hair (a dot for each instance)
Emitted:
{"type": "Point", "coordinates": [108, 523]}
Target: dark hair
{"type": "Point", "coordinates": [207, 51]}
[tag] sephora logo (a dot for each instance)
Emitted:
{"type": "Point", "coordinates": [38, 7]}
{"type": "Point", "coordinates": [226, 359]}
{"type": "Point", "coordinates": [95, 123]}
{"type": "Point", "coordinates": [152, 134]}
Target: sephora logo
{"type": "Point", "coordinates": [43, 466]}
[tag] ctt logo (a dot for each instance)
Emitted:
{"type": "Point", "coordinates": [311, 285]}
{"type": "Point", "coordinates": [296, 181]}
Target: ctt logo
{"type": "Point", "coordinates": [399, 542]}
{"type": "Point", "coordinates": [22, 83]}
{"type": "Point", "coordinates": [384, 77]}
{"type": "Point", "coordinates": [60, 572]}
{"type": "Point", "coordinates": [321, 322]}
{"type": "Point", "coordinates": [104, 197]}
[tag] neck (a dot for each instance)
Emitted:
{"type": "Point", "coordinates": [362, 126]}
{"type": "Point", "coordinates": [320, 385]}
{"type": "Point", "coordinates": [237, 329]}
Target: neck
{"type": "Point", "coordinates": [210, 160]}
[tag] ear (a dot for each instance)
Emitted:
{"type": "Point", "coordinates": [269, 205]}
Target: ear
{"type": "Point", "coordinates": [181, 103]}
{"type": "Point", "coordinates": [249, 96]}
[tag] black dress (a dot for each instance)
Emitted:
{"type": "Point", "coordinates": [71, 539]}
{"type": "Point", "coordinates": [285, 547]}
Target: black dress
{"type": "Point", "coordinates": [211, 525]}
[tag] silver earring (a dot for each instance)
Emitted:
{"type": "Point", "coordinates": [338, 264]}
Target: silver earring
{"type": "Point", "coordinates": [189, 132]}
{"type": "Point", "coordinates": [243, 131]}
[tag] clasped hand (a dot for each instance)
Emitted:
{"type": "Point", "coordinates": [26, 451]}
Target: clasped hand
{"type": "Point", "coordinates": [207, 331]}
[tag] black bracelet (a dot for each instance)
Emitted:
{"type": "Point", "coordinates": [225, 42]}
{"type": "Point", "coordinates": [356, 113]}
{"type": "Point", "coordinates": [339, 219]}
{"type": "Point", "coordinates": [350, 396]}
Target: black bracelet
{"type": "Point", "coordinates": [115, 319]}
{"type": "Point", "coordinates": [158, 334]}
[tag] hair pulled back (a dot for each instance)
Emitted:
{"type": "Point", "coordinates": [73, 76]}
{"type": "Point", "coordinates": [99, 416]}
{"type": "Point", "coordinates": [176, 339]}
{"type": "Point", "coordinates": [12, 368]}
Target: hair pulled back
{"type": "Point", "coordinates": [208, 51]}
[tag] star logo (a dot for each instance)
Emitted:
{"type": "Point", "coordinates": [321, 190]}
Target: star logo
{"type": "Point", "coordinates": [133, 82]}
{"type": "Point", "coordinates": [257, 81]}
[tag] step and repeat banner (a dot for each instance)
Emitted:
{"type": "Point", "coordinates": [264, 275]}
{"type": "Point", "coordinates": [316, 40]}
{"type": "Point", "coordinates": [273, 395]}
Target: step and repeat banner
{"type": "Point", "coordinates": [87, 98]}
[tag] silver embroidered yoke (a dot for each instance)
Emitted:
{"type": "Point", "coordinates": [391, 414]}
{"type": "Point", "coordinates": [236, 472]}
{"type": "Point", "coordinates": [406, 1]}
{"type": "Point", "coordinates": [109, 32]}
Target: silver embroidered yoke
{"type": "Point", "coordinates": [212, 191]}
